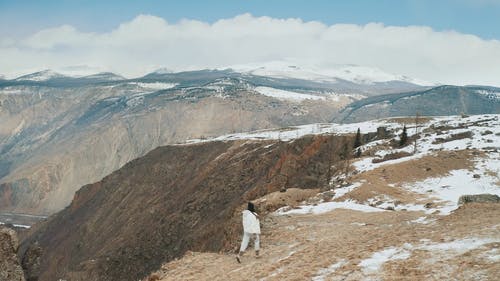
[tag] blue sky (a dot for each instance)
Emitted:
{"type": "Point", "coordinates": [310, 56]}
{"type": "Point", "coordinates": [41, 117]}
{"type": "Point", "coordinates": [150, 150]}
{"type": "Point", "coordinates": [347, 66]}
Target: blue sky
{"type": "Point", "coordinates": [478, 17]}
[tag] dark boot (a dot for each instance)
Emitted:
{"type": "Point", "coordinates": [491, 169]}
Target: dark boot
{"type": "Point", "coordinates": [238, 257]}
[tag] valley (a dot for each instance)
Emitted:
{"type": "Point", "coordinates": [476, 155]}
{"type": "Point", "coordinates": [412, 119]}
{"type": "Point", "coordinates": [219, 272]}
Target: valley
{"type": "Point", "coordinates": [59, 132]}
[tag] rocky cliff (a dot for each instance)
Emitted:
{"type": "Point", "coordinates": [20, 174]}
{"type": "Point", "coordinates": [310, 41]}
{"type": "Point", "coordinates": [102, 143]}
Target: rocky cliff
{"type": "Point", "coordinates": [10, 268]}
{"type": "Point", "coordinates": [174, 199]}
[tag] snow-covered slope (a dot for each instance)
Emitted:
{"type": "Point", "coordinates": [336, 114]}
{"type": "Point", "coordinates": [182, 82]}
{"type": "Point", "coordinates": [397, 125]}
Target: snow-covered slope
{"type": "Point", "coordinates": [154, 85]}
{"type": "Point", "coordinates": [163, 70]}
{"type": "Point", "coordinates": [493, 95]}
{"type": "Point", "coordinates": [387, 220]}
{"type": "Point", "coordinates": [48, 74]}
{"type": "Point", "coordinates": [286, 95]}
{"type": "Point", "coordinates": [450, 133]}
{"type": "Point", "coordinates": [43, 75]}
{"type": "Point", "coordinates": [353, 73]}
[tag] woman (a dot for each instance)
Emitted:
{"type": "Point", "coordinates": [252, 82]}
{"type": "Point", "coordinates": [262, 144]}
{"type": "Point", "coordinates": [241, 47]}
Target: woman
{"type": "Point", "coordinates": [251, 227]}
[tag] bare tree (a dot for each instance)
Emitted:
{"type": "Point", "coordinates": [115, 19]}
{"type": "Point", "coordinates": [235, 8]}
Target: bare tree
{"type": "Point", "coordinates": [346, 155]}
{"type": "Point", "coordinates": [417, 115]}
{"type": "Point", "coordinates": [331, 160]}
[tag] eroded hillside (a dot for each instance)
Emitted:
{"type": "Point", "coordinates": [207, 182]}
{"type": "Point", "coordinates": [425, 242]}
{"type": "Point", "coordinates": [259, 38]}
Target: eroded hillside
{"type": "Point", "coordinates": [397, 219]}
{"type": "Point", "coordinates": [189, 197]}
{"type": "Point", "coordinates": [60, 134]}
{"type": "Point", "coordinates": [174, 199]}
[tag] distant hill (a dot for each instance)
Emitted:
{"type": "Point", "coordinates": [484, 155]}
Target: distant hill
{"type": "Point", "coordinates": [442, 100]}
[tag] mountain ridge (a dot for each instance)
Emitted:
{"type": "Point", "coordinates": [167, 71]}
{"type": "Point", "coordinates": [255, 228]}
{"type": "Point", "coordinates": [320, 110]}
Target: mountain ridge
{"type": "Point", "coordinates": [63, 133]}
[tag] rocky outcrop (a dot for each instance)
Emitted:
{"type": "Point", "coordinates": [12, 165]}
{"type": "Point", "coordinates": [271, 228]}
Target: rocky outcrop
{"type": "Point", "coordinates": [31, 262]}
{"type": "Point", "coordinates": [10, 269]}
{"type": "Point", "coordinates": [478, 198]}
{"type": "Point", "coordinates": [174, 199]}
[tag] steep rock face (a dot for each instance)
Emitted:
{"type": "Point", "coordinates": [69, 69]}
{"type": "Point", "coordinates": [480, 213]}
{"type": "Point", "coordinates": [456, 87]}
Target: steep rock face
{"type": "Point", "coordinates": [174, 199]}
{"type": "Point", "coordinates": [10, 269]}
{"type": "Point", "coordinates": [55, 140]}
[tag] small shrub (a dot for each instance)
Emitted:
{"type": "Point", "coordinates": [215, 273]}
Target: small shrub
{"type": "Point", "coordinates": [403, 138]}
{"type": "Point", "coordinates": [391, 156]}
{"type": "Point", "coordinates": [357, 141]}
{"type": "Point", "coordinates": [453, 137]}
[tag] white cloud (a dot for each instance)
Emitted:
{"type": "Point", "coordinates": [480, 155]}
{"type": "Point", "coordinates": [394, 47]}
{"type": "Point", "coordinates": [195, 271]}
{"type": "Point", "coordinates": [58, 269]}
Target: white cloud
{"type": "Point", "coordinates": [149, 42]}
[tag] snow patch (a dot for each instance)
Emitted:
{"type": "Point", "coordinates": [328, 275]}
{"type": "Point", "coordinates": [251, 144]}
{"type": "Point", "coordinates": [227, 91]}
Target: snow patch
{"type": "Point", "coordinates": [17, 225]}
{"type": "Point", "coordinates": [155, 85]}
{"type": "Point", "coordinates": [286, 95]}
{"type": "Point", "coordinates": [339, 192]}
{"type": "Point", "coordinates": [135, 101]}
{"type": "Point", "coordinates": [459, 246]}
{"type": "Point", "coordinates": [40, 76]}
{"type": "Point", "coordinates": [324, 272]}
{"type": "Point", "coordinates": [422, 220]}
{"type": "Point", "coordinates": [449, 188]}
{"type": "Point", "coordinates": [12, 91]}
{"type": "Point", "coordinates": [295, 132]}
{"type": "Point", "coordinates": [489, 94]}
{"type": "Point", "coordinates": [327, 207]}
{"type": "Point", "coordinates": [492, 255]}
{"type": "Point", "coordinates": [375, 262]}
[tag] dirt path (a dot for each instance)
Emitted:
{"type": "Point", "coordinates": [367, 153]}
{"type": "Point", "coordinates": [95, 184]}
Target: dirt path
{"type": "Point", "coordinates": [303, 247]}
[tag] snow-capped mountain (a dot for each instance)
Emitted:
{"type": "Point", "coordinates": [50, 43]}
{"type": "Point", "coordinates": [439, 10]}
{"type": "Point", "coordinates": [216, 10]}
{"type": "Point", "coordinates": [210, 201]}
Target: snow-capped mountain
{"type": "Point", "coordinates": [163, 70]}
{"type": "Point", "coordinates": [43, 75]}
{"type": "Point", "coordinates": [167, 108]}
{"type": "Point", "coordinates": [108, 76]}
{"type": "Point", "coordinates": [352, 73]}
{"type": "Point", "coordinates": [353, 78]}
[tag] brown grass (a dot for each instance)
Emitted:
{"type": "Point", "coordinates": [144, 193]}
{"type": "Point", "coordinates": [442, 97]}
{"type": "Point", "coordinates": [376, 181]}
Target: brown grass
{"type": "Point", "coordinates": [297, 247]}
{"type": "Point", "coordinates": [377, 181]}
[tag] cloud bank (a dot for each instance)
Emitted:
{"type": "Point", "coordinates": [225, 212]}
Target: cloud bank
{"type": "Point", "coordinates": [149, 42]}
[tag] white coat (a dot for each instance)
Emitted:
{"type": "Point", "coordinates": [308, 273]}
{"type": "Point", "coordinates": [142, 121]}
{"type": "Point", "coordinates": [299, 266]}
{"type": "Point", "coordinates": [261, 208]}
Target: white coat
{"type": "Point", "coordinates": [251, 223]}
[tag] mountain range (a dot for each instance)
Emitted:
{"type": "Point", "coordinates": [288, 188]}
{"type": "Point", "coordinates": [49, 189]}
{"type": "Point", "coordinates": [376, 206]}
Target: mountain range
{"type": "Point", "coordinates": [59, 132]}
